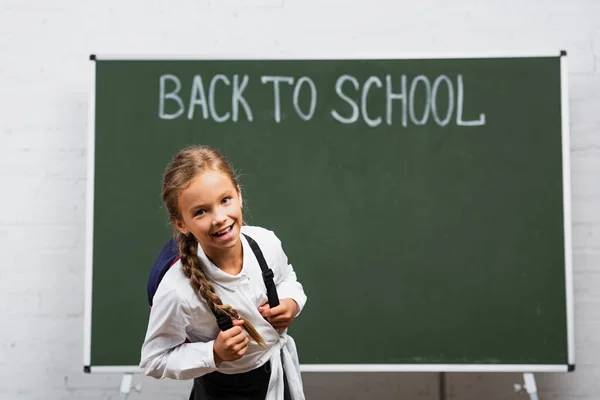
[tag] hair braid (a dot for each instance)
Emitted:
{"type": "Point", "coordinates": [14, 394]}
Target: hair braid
{"type": "Point", "coordinates": [192, 268]}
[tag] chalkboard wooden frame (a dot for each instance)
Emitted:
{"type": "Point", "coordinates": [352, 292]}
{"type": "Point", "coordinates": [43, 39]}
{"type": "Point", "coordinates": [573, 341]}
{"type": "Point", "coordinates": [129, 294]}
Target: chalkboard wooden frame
{"type": "Point", "coordinates": [344, 367]}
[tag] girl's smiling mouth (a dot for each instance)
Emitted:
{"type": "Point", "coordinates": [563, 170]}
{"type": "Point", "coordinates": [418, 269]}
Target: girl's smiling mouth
{"type": "Point", "coordinates": [223, 231]}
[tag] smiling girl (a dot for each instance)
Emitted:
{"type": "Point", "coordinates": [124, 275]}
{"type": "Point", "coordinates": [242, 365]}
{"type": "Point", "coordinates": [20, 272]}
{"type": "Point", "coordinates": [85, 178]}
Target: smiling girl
{"type": "Point", "coordinates": [211, 320]}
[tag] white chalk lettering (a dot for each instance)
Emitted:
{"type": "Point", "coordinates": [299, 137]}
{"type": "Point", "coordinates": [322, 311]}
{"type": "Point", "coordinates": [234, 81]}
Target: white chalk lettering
{"type": "Point", "coordinates": [391, 96]}
{"type": "Point", "coordinates": [197, 97]}
{"type": "Point", "coordinates": [276, 79]}
{"type": "Point", "coordinates": [427, 102]}
{"type": "Point", "coordinates": [338, 89]}
{"type": "Point", "coordinates": [173, 95]}
{"type": "Point", "coordinates": [237, 98]}
{"type": "Point", "coordinates": [459, 112]}
{"type": "Point", "coordinates": [211, 98]}
{"type": "Point", "coordinates": [438, 100]}
{"type": "Point", "coordinates": [363, 101]}
{"type": "Point", "coordinates": [434, 92]}
{"type": "Point", "coordinates": [313, 98]}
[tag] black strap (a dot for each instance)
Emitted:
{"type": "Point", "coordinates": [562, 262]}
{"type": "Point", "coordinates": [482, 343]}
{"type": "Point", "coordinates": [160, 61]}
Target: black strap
{"type": "Point", "coordinates": [223, 320]}
{"type": "Point", "coordinates": [267, 273]}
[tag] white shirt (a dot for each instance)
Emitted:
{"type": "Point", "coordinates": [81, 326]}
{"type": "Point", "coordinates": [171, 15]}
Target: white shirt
{"type": "Point", "coordinates": [179, 313]}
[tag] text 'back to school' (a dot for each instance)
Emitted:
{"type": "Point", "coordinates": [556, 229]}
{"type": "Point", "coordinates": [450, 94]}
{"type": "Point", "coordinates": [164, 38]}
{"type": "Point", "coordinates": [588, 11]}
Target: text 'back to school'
{"type": "Point", "coordinates": [399, 100]}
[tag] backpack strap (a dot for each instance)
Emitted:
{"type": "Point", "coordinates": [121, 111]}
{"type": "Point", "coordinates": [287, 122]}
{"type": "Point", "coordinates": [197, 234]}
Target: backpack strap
{"type": "Point", "coordinates": [267, 273]}
{"type": "Point", "coordinates": [223, 320]}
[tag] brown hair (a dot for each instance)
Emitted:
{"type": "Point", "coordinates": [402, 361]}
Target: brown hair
{"type": "Point", "coordinates": [183, 168]}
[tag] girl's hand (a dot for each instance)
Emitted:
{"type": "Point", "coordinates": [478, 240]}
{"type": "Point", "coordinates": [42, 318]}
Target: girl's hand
{"type": "Point", "coordinates": [231, 344]}
{"type": "Point", "coordinates": [280, 317]}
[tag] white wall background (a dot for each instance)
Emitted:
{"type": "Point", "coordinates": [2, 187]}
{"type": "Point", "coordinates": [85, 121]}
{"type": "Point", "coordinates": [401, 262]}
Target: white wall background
{"type": "Point", "coordinates": [44, 49]}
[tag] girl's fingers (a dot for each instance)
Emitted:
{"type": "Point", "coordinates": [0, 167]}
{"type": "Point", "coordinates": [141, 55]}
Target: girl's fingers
{"type": "Point", "coordinates": [275, 311]}
{"type": "Point", "coordinates": [237, 339]}
{"type": "Point", "coordinates": [241, 345]}
{"type": "Point", "coordinates": [264, 307]}
{"type": "Point", "coordinates": [280, 318]}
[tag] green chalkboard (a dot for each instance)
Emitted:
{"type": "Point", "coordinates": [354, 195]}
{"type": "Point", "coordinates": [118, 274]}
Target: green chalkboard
{"type": "Point", "coordinates": [422, 202]}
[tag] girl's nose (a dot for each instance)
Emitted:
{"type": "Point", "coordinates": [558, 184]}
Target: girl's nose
{"type": "Point", "coordinates": [219, 218]}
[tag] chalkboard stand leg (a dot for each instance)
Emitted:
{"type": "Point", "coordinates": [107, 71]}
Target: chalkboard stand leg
{"type": "Point", "coordinates": [126, 386]}
{"type": "Point", "coordinates": [529, 385]}
{"type": "Point", "coordinates": [126, 382]}
{"type": "Point", "coordinates": [442, 386]}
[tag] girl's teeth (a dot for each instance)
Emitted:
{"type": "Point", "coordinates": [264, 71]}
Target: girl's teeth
{"type": "Point", "coordinates": [223, 231]}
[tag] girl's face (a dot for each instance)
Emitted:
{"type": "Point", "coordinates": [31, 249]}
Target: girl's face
{"type": "Point", "coordinates": [211, 209]}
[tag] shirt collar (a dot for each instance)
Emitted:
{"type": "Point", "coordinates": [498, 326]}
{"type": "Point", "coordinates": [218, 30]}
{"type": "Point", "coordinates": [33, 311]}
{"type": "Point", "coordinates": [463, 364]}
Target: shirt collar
{"type": "Point", "coordinates": [219, 277]}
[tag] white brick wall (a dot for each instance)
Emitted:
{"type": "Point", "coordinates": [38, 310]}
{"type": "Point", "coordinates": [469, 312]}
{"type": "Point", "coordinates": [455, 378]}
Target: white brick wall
{"type": "Point", "coordinates": [44, 48]}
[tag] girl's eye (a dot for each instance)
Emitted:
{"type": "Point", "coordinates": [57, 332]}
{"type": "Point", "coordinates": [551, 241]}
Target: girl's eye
{"type": "Point", "coordinates": [226, 200]}
{"type": "Point", "coordinates": [200, 212]}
